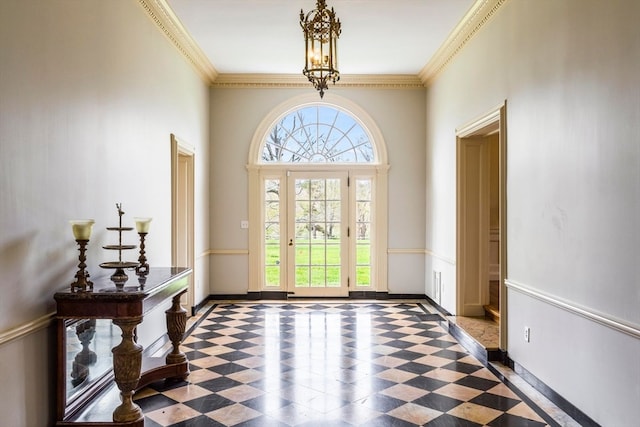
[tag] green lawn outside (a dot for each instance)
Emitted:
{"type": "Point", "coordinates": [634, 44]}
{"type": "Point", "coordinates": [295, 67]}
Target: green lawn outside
{"type": "Point", "coordinates": [311, 258]}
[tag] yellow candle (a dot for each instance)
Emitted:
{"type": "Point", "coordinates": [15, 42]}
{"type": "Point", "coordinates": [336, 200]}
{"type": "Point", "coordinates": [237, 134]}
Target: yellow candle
{"type": "Point", "coordinates": [82, 228]}
{"type": "Point", "coordinates": [142, 224]}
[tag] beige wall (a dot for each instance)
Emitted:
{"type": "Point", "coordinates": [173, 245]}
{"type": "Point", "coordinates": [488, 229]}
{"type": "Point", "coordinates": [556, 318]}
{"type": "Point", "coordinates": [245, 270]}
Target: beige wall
{"type": "Point", "coordinates": [235, 115]}
{"type": "Point", "coordinates": [90, 92]}
{"type": "Point", "coordinates": [569, 72]}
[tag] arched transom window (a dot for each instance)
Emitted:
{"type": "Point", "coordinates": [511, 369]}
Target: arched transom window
{"type": "Point", "coordinates": [318, 134]}
{"type": "Point", "coordinates": [318, 200]}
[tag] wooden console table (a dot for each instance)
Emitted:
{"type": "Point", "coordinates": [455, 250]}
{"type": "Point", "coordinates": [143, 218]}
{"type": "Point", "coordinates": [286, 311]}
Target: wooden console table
{"type": "Point", "coordinates": [126, 307]}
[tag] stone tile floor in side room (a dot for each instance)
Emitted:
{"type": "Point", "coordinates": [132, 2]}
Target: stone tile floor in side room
{"type": "Point", "coordinates": [332, 364]}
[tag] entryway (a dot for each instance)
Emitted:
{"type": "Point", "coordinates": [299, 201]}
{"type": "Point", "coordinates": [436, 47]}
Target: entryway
{"type": "Point", "coordinates": [318, 190]}
{"type": "Point", "coordinates": [182, 211]}
{"type": "Point", "coordinates": [481, 229]}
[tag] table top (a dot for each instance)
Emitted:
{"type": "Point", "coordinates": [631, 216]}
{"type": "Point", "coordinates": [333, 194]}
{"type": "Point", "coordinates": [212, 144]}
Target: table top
{"type": "Point", "coordinates": [159, 283]}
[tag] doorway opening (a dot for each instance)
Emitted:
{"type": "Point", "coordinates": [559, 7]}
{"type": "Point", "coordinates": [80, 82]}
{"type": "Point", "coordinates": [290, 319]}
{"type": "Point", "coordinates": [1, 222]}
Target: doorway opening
{"type": "Point", "coordinates": [182, 212]}
{"type": "Point", "coordinates": [481, 229]}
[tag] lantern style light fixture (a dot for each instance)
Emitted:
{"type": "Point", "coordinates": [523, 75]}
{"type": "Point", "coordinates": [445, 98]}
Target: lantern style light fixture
{"type": "Point", "coordinates": [321, 30]}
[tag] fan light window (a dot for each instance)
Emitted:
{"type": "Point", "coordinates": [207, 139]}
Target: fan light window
{"type": "Point", "coordinates": [318, 134]}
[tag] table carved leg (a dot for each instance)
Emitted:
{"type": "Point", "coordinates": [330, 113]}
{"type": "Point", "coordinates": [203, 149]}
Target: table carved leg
{"type": "Point", "coordinates": [176, 325]}
{"type": "Point", "coordinates": [127, 364]}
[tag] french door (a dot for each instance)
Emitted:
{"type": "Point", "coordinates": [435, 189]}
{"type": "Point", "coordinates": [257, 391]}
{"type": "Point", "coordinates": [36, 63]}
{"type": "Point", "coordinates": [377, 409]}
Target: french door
{"type": "Point", "coordinates": [317, 234]}
{"type": "Point", "coordinates": [318, 238]}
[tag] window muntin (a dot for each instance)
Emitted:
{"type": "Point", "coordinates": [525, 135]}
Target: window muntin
{"type": "Point", "coordinates": [317, 134]}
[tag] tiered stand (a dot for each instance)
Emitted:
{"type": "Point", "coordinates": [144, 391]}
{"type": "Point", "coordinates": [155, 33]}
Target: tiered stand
{"type": "Point", "coordinates": [119, 277]}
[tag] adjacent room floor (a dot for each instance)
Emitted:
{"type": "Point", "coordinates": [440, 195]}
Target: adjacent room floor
{"type": "Point", "coordinates": [327, 363]}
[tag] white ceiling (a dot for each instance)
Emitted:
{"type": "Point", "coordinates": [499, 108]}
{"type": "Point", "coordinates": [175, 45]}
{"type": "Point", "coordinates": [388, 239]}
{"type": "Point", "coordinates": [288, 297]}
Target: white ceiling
{"type": "Point", "coordinates": [264, 36]}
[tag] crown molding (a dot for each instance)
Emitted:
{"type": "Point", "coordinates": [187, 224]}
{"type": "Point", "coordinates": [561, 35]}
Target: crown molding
{"type": "Point", "coordinates": [478, 15]}
{"type": "Point", "coordinates": [161, 13]}
{"type": "Point", "coordinates": [388, 81]}
{"type": "Point", "coordinates": [163, 16]}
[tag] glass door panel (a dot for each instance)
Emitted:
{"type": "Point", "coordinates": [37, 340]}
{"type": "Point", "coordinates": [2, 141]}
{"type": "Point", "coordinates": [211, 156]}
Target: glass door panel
{"type": "Point", "coordinates": [273, 254]}
{"type": "Point", "coordinates": [318, 242]}
{"type": "Point", "coordinates": [363, 227]}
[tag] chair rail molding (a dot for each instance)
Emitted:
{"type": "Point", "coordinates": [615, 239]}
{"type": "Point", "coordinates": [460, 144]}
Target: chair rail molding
{"type": "Point", "coordinates": [441, 257]}
{"type": "Point", "coordinates": [228, 252]}
{"type": "Point", "coordinates": [406, 251]}
{"type": "Point", "coordinates": [607, 320]}
{"type": "Point", "coordinates": [27, 328]}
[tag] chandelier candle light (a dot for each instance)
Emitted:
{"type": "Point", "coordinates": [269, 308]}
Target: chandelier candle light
{"type": "Point", "coordinates": [82, 233]}
{"type": "Point", "coordinates": [321, 30]}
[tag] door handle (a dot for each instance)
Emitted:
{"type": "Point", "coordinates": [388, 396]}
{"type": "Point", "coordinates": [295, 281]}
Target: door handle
{"type": "Point", "coordinates": [290, 242]}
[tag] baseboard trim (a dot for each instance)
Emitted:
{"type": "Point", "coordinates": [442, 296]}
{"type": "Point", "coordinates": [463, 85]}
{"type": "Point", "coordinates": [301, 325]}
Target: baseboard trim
{"type": "Point", "coordinates": [402, 296]}
{"type": "Point", "coordinates": [436, 305]}
{"type": "Point", "coordinates": [363, 295]}
{"type": "Point", "coordinates": [580, 417]}
{"type": "Point", "coordinates": [269, 295]}
{"type": "Point", "coordinates": [280, 295]}
{"type": "Point", "coordinates": [227, 297]}
{"type": "Point", "coordinates": [196, 308]}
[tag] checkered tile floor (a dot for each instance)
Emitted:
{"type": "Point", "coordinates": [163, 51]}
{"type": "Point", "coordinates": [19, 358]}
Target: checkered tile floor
{"type": "Point", "coordinates": [332, 364]}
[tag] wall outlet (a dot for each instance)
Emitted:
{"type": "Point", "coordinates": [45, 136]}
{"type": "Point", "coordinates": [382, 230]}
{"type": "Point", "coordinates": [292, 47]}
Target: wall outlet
{"type": "Point", "coordinates": [527, 334]}
{"type": "Point", "coordinates": [244, 224]}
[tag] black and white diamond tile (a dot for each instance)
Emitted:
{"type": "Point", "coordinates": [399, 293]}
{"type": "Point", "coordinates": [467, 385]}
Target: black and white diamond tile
{"type": "Point", "coordinates": [326, 364]}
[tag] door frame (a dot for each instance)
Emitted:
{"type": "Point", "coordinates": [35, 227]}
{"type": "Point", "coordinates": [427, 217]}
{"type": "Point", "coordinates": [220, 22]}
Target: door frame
{"type": "Point", "coordinates": [467, 138]}
{"type": "Point", "coordinates": [182, 211]}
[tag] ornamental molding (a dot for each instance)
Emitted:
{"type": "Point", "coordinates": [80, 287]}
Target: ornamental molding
{"type": "Point", "coordinates": [163, 16]}
{"type": "Point", "coordinates": [161, 13]}
{"type": "Point", "coordinates": [478, 15]}
{"type": "Point", "coordinates": [604, 319]}
{"type": "Point", "coordinates": [27, 328]}
{"type": "Point", "coordinates": [390, 81]}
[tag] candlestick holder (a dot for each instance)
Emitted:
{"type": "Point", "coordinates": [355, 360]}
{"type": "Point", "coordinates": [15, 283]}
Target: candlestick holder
{"type": "Point", "coordinates": [82, 233]}
{"type": "Point", "coordinates": [119, 277]}
{"type": "Point", "coordinates": [143, 267]}
{"type": "Point", "coordinates": [142, 226]}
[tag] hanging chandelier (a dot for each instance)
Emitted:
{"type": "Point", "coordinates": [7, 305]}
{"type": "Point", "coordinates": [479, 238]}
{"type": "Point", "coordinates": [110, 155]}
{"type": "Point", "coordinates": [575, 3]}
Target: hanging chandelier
{"type": "Point", "coordinates": [321, 30]}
